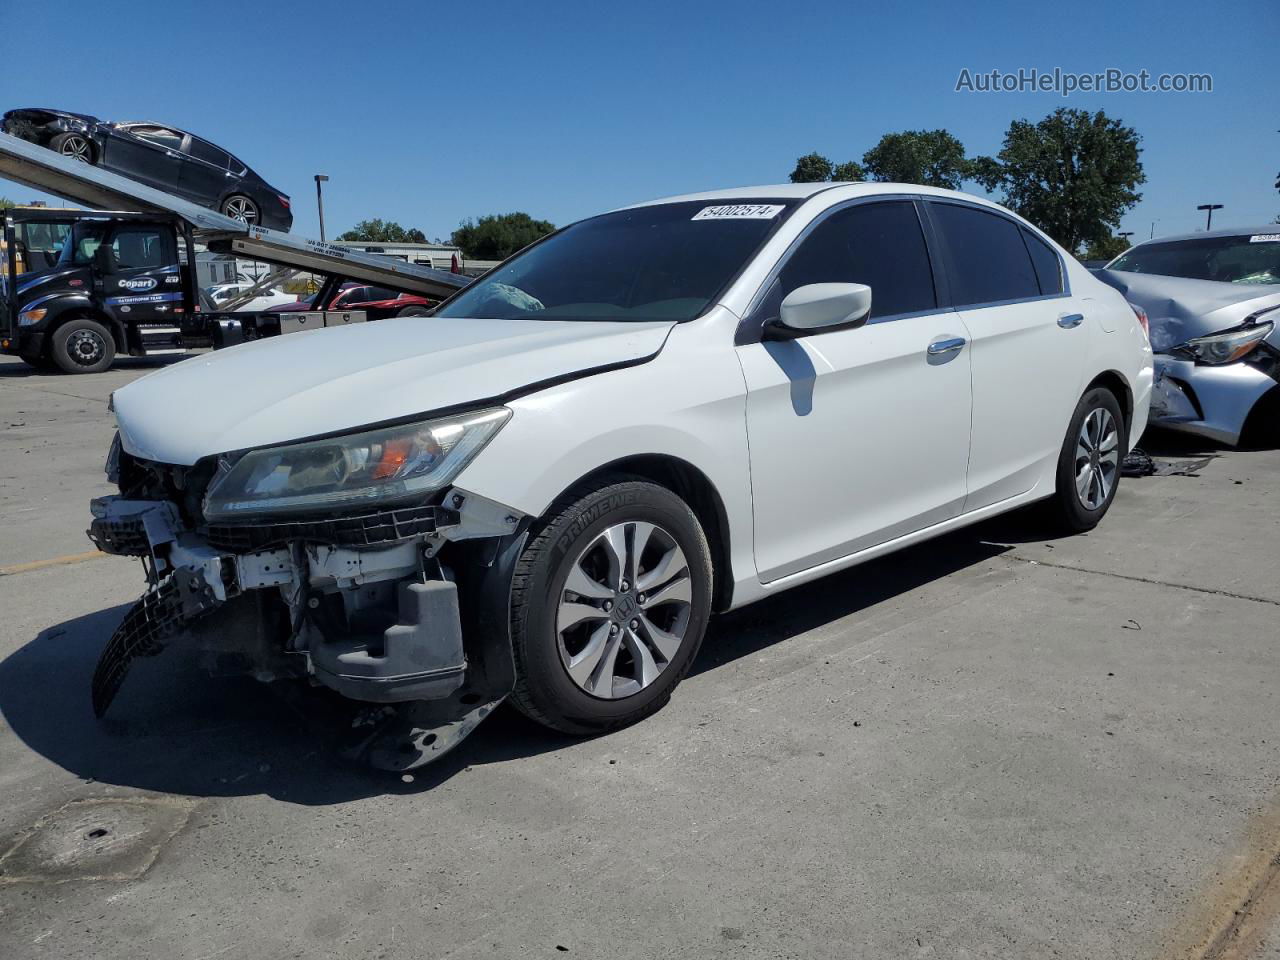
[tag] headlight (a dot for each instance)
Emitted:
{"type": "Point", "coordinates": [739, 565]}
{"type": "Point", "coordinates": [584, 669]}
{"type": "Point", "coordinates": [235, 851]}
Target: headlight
{"type": "Point", "coordinates": [369, 468]}
{"type": "Point", "coordinates": [1225, 347]}
{"type": "Point", "coordinates": [31, 317]}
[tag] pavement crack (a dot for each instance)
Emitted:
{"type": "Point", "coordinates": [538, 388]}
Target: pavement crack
{"type": "Point", "coordinates": [1136, 579]}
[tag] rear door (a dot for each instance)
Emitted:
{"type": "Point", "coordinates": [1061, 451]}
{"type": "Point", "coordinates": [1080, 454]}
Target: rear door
{"type": "Point", "coordinates": [140, 276]}
{"type": "Point", "coordinates": [146, 152]}
{"type": "Point", "coordinates": [205, 171]}
{"type": "Point", "coordinates": [856, 436]}
{"type": "Point", "coordinates": [1028, 345]}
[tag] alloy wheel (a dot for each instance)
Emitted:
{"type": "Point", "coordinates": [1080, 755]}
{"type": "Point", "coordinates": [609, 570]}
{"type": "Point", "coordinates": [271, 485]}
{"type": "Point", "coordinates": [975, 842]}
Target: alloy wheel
{"type": "Point", "coordinates": [1097, 458]}
{"type": "Point", "coordinates": [78, 148]}
{"type": "Point", "coordinates": [86, 347]}
{"type": "Point", "coordinates": [624, 610]}
{"type": "Point", "coordinates": [241, 208]}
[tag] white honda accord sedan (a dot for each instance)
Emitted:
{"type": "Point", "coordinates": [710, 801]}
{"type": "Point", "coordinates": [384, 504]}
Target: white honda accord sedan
{"type": "Point", "coordinates": [545, 489]}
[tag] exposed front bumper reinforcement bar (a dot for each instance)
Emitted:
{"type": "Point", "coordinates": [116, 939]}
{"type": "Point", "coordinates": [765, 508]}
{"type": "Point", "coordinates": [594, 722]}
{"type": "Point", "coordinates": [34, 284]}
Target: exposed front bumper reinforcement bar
{"type": "Point", "coordinates": [158, 616]}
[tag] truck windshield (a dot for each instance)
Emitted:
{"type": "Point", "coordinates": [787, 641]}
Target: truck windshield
{"type": "Point", "coordinates": [662, 262]}
{"type": "Point", "coordinates": [1248, 258]}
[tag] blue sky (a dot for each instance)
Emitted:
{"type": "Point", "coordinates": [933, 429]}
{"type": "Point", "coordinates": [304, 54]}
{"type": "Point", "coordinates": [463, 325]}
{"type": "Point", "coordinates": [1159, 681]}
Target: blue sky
{"type": "Point", "coordinates": [427, 113]}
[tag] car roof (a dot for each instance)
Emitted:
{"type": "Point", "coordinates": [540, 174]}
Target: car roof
{"type": "Point", "coordinates": [1269, 229]}
{"type": "Point", "coordinates": [803, 191]}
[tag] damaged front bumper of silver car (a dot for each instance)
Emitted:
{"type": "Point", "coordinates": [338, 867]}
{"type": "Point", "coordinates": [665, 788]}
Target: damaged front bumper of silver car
{"type": "Point", "coordinates": [390, 608]}
{"type": "Point", "coordinates": [1212, 400]}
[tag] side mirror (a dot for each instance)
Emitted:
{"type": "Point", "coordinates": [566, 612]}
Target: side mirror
{"type": "Point", "coordinates": [817, 307]}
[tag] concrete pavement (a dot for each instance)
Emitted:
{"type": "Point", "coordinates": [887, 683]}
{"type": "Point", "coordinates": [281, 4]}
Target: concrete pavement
{"type": "Point", "coordinates": [993, 745]}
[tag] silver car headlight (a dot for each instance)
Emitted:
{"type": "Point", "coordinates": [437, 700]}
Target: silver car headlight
{"type": "Point", "coordinates": [359, 469]}
{"type": "Point", "coordinates": [1225, 347]}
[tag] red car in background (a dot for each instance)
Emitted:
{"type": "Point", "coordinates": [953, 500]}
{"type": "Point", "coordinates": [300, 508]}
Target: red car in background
{"type": "Point", "coordinates": [377, 302]}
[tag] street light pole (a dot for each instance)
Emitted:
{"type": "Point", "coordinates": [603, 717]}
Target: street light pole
{"type": "Point", "coordinates": [320, 178]}
{"type": "Point", "coordinates": [1209, 207]}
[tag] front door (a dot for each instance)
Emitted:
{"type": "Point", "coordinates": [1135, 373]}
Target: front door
{"type": "Point", "coordinates": [146, 152]}
{"type": "Point", "coordinates": [857, 436]}
{"type": "Point", "coordinates": [140, 273]}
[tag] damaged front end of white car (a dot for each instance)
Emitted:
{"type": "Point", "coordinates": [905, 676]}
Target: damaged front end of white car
{"type": "Point", "coordinates": [337, 561]}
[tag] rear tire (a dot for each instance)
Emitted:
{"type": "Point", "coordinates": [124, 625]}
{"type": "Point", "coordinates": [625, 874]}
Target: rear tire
{"type": "Point", "coordinates": [609, 653]}
{"type": "Point", "coordinates": [1089, 463]}
{"type": "Point", "coordinates": [415, 311]}
{"type": "Point", "coordinates": [82, 345]}
{"type": "Point", "coordinates": [239, 207]}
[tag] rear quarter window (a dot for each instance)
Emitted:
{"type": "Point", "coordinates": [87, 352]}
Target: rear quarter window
{"type": "Point", "coordinates": [1047, 264]}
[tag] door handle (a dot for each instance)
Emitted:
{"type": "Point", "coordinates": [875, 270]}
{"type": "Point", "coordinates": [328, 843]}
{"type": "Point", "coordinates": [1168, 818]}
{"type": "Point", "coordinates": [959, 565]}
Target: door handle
{"type": "Point", "coordinates": [1069, 320]}
{"type": "Point", "coordinates": [951, 345]}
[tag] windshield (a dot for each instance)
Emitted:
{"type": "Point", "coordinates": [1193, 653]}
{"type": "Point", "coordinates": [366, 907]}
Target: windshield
{"type": "Point", "coordinates": [664, 262]}
{"type": "Point", "coordinates": [1250, 258]}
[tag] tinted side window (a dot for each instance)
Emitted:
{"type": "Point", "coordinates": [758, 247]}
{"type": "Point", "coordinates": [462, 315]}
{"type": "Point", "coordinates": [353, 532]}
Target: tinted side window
{"type": "Point", "coordinates": [141, 247]}
{"type": "Point", "coordinates": [208, 153]}
{"type": "Point", "coordinates": [988, 260]}
{"type": "Point", "coordinates": [1047, 265]}
{"type": "Point", "coordinates": [879, 244]}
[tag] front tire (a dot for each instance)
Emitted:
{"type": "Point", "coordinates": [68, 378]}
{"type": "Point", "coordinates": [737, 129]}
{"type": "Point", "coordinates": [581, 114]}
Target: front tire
{"type": "Point", "coordinates": [609, 604]}
{"type": "Point", "coordinates": [1089, 463]}
{"type": "Point", "coordinates": [82, 345]}
{"type": "Point", "coordinates": [77, 146]}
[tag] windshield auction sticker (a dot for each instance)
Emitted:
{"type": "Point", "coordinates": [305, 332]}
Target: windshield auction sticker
{"type": "Point", "coordinates": [1256, 238]}
{"type": "Point", "coordinates": [740, 211]}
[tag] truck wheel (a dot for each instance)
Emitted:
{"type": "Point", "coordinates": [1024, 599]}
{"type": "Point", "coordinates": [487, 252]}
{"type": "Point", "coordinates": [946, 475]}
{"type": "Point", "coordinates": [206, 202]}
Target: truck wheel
{"type": "Point", "coordinates": [82, 346]}
{"type": "Point", "coordinates": [74, 145]}
{"type": "Point", "coordinates": [415, 311]}
{"type": "Point", "coordinates": [1089, 463]}
{"type": "Point", "coordinates": [609, 603]}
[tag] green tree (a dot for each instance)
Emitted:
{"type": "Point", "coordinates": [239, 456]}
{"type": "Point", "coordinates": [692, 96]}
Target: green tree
{"type": "Point", "coordinates": [815, 168]}
{"type": "Point", "coordinates": [383, 231]}
{"type": "Point", "coordinates": [1107, 249]}
{"type": "Point", "coordinates": [1072, 174]}
{"type": "Point", "coordinates": [811, 168]}
{"type": "Point", "coordinates": [932, 157]}
{"type": "Point", "coordinates": [498, 236]}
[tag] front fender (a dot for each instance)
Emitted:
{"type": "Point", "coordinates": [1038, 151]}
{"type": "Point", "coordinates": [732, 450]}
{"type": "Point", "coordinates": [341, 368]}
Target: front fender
{"type": "Point", "coordinates": [687, 404]}
{"type": "Point", "coordinates": [58, 306]}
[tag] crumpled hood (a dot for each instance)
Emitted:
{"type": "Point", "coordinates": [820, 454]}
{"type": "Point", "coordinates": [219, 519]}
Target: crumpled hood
{"type": "Point", "coordinates": [1180, 309]}
{"type": "Point", "coordinates": [302, 385]}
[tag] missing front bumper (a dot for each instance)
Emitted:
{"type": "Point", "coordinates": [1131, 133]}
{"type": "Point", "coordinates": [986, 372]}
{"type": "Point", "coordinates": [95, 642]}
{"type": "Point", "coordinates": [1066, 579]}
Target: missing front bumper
{"type": "Point", "coordinates": [365, 621]}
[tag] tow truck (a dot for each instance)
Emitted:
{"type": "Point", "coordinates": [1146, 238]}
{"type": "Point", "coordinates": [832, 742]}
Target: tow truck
{"type": "Point", "coordinates": [123, 280]}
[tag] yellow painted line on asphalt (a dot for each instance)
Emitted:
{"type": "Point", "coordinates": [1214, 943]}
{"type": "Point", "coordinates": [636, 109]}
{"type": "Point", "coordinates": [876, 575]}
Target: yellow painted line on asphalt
{"type": "Point", "coordinates": [9, 571]}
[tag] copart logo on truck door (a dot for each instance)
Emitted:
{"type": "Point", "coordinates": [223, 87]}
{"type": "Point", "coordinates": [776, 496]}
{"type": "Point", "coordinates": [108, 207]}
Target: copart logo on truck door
{"type": "Point", "coordinates": [140, 283]}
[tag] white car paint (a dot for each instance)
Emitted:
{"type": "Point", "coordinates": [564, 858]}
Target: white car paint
{"type": "Point", "coordinates": [823, 452]}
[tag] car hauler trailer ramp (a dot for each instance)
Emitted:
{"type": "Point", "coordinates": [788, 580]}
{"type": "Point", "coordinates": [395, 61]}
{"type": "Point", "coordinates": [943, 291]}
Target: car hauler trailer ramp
{"type": "Point", "coordinates": [42, 169]}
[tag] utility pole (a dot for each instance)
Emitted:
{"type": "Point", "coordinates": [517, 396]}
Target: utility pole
{"type": "Point", "coordinates": [1209, 207]}
{"type": "Point", "coordinates": [320, 178]}
{"type": "Point", "coordinates": [1153, 230]}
